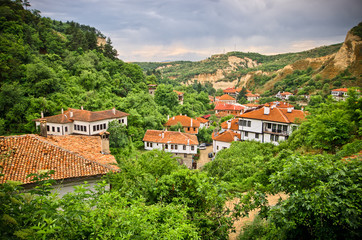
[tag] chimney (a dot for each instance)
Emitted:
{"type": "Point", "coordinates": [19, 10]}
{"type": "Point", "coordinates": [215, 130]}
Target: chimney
{"type": "Point", "coordinates": [114, 111]}
{"type": "Point", "coordinates": [228, 124]}
{"type": "Point", "coordinates": [62, 111]}
{"type": "Point", "coordinates": [43, 128]}
{"type": "Point", "coordinates": [188, 141]}
{"type": "Point", "coordinates": [289, 109]}
{"type": "Point", "coordinates": [71, 114]}
{"type": "Point", "coordinates": [41, 114]}
{"type": "Point", "coordinates": [266, 110]}
{"type": "Point", "coordinates": [81, 107]}
{"type": "Point", "coordinates": [168, 117]}
{"type": "Point", "coordinates": [105, 143]}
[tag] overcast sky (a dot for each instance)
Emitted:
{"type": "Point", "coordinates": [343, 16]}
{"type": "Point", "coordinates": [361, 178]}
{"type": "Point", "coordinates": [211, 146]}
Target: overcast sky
{"type": "Point", "coordinates": [160, 30]}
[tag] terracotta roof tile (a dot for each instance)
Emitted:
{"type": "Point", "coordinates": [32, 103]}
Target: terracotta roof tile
{"type": "Point", "coordinates": [275, 115]}
{"type": "Point", "coordinates": [225, 107]}
{"type": "Point", "coordinates": [170, 137]}
{"type": "Point", "coordinates": [340, 90]}
{"type": "Point", "coordinates": [28, 154]}
{"type": "Point", "coordinates": [234, 125]}
{"type": "Point", "coordinates": [229, 90]}
{"type": "Point", "coordinates": [178, 93]}
{"type": "Point", "coordinates": [184, 120]}
{"type": "Point", "coordinates": [83, 115]}
{"type": "Point", "coordinates": [286, 93]}
{"type": "Point", "coordinates": [227, 136]}
{"type": "Point", "coordinates": [279, 104]}
{"type": "Point", "coordinates": [226, 97]}
{"type": "Point", "coordinates": [202, 120]}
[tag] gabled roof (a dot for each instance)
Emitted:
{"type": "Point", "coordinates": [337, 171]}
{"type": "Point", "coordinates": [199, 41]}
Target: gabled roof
{"type": "Point", "coordinates": [276, 115]}
{"type": "Point", "coordinates": [159, 136]}
{"type": "Point", "coordinates": [202, 120]}
{"type": "Point", "coordinates": [286, 93]}
{"type": "Point", "coordinates": [340, 90]}
{"type": "Point", "coordinates": [279, 104]}
{"type": "Point", "coordinates": [178, 93]}
{"type": "Point", "coordinates": [227, 136]}
{"type": "Point", "coordinates": [83, 115]}
{"type": "Point", "coordinates": [184, 120]}
{"type": "Point", "coordinates": [234, 124]}
{"type": "Point", "coordinates": [230, 90]}
{"type": "Point", "coordinates": [252, 95]}
{"type": "Point", "coordinates": [26, 154]}
{"type": "Point", "coordinates": [226, 107]}
{"type": "Point", "coordinates": [226, 97]}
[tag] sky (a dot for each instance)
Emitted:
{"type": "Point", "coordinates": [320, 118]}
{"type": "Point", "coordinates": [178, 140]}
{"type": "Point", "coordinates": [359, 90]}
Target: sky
{"type": "Point", "coordinates": [170, 30]}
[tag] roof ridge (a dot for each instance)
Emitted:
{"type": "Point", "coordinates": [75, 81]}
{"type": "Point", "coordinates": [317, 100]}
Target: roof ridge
{"type": "Point", "coordinates": [66, 150]}
{"type": "Point", "coordinates": [284, 116]}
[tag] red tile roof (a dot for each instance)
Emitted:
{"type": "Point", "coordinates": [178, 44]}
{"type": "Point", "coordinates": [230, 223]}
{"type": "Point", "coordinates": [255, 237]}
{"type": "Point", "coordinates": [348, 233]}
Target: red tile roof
{"type": "Point", "coordinates": [227, 136]}
{"type": "Point", "coordinates": [252, 95]}
{"type": "Point", "coordinates": [230, 90]}
{"type": "Point", "coordinates": [286, 93]}
{"type": "Point", "coordinates": [234, 125]}
{"type": "Point", "coordinates": [83, 115]}
{"type": "Point", "coordinates": [226, 97]}
{"type": "Point", "coordinates": [275, 115]}
{"type": "Point", "coordinates": [279, 104]}
{"type": "Point", "coordinates": [202, 120]}
{"type": "Point", "coordinates": [184, 120]}
{"type": "Point", "coordinates": [252, 105]}
{"type": "Point", "coordinates": [226, 107]}
{"type": "Point", "coordinates": [340, 90]}
{"type": "Point", "coordinates": [178, 93]}
{"type": "Point", "coordinates": [170, 137]}
{"type": "Point", "coordinates": [28, 154]}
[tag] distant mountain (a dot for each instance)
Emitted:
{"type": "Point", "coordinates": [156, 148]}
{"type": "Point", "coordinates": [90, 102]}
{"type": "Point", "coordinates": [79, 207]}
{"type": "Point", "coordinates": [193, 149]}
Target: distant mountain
{"type": "Point", "coordinates": [337, 65]}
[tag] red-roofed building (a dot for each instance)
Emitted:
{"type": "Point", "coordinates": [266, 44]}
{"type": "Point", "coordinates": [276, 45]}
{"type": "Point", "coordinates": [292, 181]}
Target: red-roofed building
{"type": "Point", "coordinates": [226, 99]}
{"type": "Point", "coordinates": [180, 96]}
{"type": "Point", "coordinates": [269, 124]}
{"type": "Point", "coordinates": [79, 121]}
{"type": "Point", "coordinates": [340, 94]}
{"type": "Point", "coordinates": [223, 139]}
{"type": "Point", "coordinates": [181, 144]}
{"type": "Point", "coordinates": [283, 95]}
{"type": "Point", "coordinates": [279, 104]}
{"type": "Point", "coordinates": [222, 109]}
{"type": "Point", "coordinates": [204, 123]}
{"type": "Point", "coordinates": [190, 125]}
{"type": "Point", "coordinates": [252, 97]}
{"type": "Point", "coordinates": [232, 124]}
{"type": "Point", "coordinates": [74, 159]}
{"type": "Point", "coordinates": [152, 89]}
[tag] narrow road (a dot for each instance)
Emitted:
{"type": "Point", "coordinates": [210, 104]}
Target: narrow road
{"type": "Point", "coordinates": [204, 157]}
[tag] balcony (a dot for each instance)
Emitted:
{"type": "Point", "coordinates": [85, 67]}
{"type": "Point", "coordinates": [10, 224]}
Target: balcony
{"type": "Point", "coordinates": [276, 131]}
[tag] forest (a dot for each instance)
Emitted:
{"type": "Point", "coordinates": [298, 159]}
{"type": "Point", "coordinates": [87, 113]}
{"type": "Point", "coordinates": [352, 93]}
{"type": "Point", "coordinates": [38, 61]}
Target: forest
{"type": "Point", "coordinates": [47, 65]}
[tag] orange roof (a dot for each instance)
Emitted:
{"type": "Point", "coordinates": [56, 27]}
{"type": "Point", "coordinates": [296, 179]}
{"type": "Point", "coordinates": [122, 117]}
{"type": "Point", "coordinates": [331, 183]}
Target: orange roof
{"type": "Point", "coordinates": [252, 95]}
{"type": "Point", "coordinates": [340, 90]}
{"type": "Point", "coordinates": [234, 125]}
{"type": "Point", "coordinates": [184, 120]}
{"type": "Point", "coordinates": [225, 107]}
{"type": "Point", "coordinates": [251, 105]}
{"type": "Point", "coordinates": [279, 104]}
{"type": "Point", "coordinates": [170, 137]}
{"type": "Point", "coordinates": [227, 136]}
{"type": "Point", "coordinates": [202, 120]}
{"type": "Point", "coordinates": [178, 93]}
{"type": "Point", "coordinates": [230, 90]}
{"type": "Point", "coordinates": [239, 89]}
{"type": "Point", "coordinates": [286, 93]}
{"type": "Point", "coordinates": [275, 115]}
{"type": "Point", "coordinates": [83, 115]}
{"type": "Point", "coordinates": [226, 97]}
{"type": "Point", "coordinates": [26, 154]}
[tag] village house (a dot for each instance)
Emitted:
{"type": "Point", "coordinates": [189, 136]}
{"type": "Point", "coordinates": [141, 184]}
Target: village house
{"type": "Point", "coordinates": [204, 123]}
{"type": "Point", "coordinates": [232, 124]}
{"type": "Point", "coordinates": [226, 99]}
{"type": "Point", "coordinates": [250, 106]}
{"type": "Point", "coordinates": [180, 96]}
{"type": "Point", "coordinates": [152, 89]}
{"type": "Point", "coordinates": [223, 139]}
{"type": "Point", "coordinates": [341, 94]}
{"type": "Point", "coordinates": [74, 158]}
{"type": "Point", "coordinates": [252, 97]}
{"type": "Point", "coordinates": [189, 125]}
{"type": "Point", "coordinates": [182, 145]}
{"type": "Point", "coordinates": [83, 122]}
{"type": "Point", "coordinates": [279, 104]}
{"type": "Point", "coordinates": [269, 124]}
{"type": "Point", "coordinates": [222, 109]}
{"type": "Point", "coordinates": [283, 95]}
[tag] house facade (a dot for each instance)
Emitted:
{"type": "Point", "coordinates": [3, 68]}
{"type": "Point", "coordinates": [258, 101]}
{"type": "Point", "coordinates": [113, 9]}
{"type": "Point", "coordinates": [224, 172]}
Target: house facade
{"type": "Point", "coordinates": [83, 122]}
{"type": "Point", "coordinates": [224, 109]}
{"type": "Point", "coordinates": [223, 139]}
{"type": "Point", "coordinates": [232, 125]}
{"type": "Point", "coordinates": [226, 99]}
{"type": "Point", "coordinates": [340, 94]}
{"type": "Point", "coordinates": [182, 145]}
{"type": "Point", "coordinates": [189, 125]}
{"type": "Point", "coordinates": [204, 123]}
{"type": "Point", "coordinates": [74, 158]}
{"type": "Point", "coordinates": [283, 95]}
{"type": "Point", "coordinates": [269, 124]}
{"type": "Point", "coordinates": [252, 97]}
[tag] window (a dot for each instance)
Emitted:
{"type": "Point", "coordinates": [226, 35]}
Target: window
{"type": "Point", "coordinates": [185, 155]}
{"type": "Point", "coordinates": [257, 135]}
{"type": "Point", "coordinates": [75, 127]}
{"type": "Point", "coordinates": [147, 144]}
{"type": "Point", "coordinates": [192, 148]}
{"type": "Point", "coordinates": [166, 146]}
{"type": "Point", "coordinates": [285, 128]}
{"type": "Point", "coordinates": [81, 128]}
{"type": "Point", "coordinates": [58, 129]}
{"type": "Point", "coordinates": [104, 126]}
{"type": "Point", "coordinates": [85, 128]}
{"type": "Point", "coordinates": [217, 147]}
{"type": "Point", "coordinates": [53, 129]}
{"type": "Point", "coordinates": [171, 146]}
{"type": "Point", "coordinates": [246, 134]}
{"type": "Point", "coordinates": [269, 125]}
{"type": "Point", "coordinates": [274, 138]}
{"type": "Point", "coordinates": [122, 120]}
{"type": "Point", "coordinates": [66, 129]}
{"type": "Point", "coordinates": [97, 127]}
{"type": "Point", "coordinates": [184, 147]}
{"type": "Point", "coordinates": [194, 129]}
{"type": "Point", "coordinates": [188, 129]}
{"type": "Point", "coordinates": [249, 123]}
{"type": "Point", "coordinates": [175, 147]}
{"type": "Point", "coordinates": [245, 123]}
{"type": "Point", "coordinates": [151, 145]}
{"type": "Point", "coordinates": [94, 128]}
{"type": "Point", "coordinates": [48, 129]}
{"type": "Point", "coordinates": [119, 120]}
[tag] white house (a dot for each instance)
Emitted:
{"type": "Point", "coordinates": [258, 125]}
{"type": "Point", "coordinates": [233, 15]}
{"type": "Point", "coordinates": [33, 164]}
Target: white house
{"type": "Point", "coordinates": [232, 124]}
{"type": "Point", "coordinates": [284, 95]}
{"type": "Point", "coordinates": [74, 158]}
{"type": "Point", "coordinates": [182, 145]}
{"type": "Point", "coordinates": [269, 124]}
{"type": "Point", "coordinates": [252, 97]}
{"type": "Point", "coordinates": [223, 139]}
{"type": "Point", "coordinates": [226, 99]}
{"type": "Point", "coordinates": [204, 123]}
{"type": "Point", "coordinates": [79, 121]}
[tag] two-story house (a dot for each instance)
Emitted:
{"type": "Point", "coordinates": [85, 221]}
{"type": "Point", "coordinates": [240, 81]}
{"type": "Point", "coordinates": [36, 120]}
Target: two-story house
{"type": "Point", "coordinates": [223, 139]}
{"type": "Point", "coordinates": [269, 124]}
{"type": "Point", "coordinates": [79, 121]}
{"type": "Point", "coordinates": [182, 145]}
{"type": "Point", "coordinates": [224, 109]}
{"type": "Point", "coordinates": [283, 95]}
{"type": "Point", "coordinates": [232, 124]}
{"type": "Point", "coordinates": [252, 97]}
{"type": "Point", "coordinates": [189, 125]}
{"type": "Point", "coordinates": [226, 99]}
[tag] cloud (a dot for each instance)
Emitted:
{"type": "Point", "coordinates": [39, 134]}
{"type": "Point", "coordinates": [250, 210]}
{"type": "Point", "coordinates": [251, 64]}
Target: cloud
{"type": "Point", "coordinates": [148, 30]}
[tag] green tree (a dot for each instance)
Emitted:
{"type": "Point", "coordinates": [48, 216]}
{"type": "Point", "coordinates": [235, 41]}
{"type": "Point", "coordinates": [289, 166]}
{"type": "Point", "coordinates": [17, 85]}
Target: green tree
{"type": "Point", "coordinates": [118, 135]}
{"type": "Point", "coordinates": [165, 96]}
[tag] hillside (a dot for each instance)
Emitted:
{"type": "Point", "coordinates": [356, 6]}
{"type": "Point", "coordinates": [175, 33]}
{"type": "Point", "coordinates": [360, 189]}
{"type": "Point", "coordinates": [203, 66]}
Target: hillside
{"type": "Point", "coordinates": [337, 65]}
